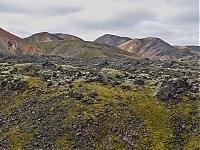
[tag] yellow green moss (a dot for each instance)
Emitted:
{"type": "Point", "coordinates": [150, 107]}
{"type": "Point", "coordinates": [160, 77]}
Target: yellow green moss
{"type": "Point", "coordinates": [155, 116]}
{"type": "Point", "coordinates": [17, 137]}
{"type": "Point", "coordinates": [19, 98]}
{"type": "Point", "coordinates": [63, 142]}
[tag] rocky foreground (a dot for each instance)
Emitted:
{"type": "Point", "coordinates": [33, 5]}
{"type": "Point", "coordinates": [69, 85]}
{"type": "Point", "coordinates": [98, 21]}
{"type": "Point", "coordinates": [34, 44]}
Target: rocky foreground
{"type": "Point", "coordinates": [49, 102]}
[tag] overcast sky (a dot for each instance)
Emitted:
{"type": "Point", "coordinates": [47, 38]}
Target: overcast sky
{"type": "Point", "coordinates": [175, 21]}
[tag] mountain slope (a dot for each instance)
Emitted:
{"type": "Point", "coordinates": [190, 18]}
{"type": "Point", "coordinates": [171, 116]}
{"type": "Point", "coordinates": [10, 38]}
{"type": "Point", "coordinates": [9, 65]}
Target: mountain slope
{"type": "Point", "coordinates": [12, 44]}
{"type": "Point", "coordinates": [112, 40]}
{"type": "Point", "coordinates": [82, 49]}
{"type": "Point", "coordinates": [155, 48]}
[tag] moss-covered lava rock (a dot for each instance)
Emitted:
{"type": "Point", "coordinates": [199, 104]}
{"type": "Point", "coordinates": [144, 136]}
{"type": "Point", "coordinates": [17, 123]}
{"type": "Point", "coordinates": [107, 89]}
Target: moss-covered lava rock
{"type": "Point", "coordinates": [98, 103]}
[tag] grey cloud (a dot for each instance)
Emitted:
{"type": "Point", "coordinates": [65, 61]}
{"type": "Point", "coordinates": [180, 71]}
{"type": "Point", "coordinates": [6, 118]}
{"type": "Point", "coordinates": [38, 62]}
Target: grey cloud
{"type": "Point", "coordinates": [44, 10]}
{"type": "Point", "coordinates": [187, 13]}
{"type": "Point", "coordinates": [119, 20]}
{"type": "Point", "coordinates": [175, 21]}
{"type": "Point", "coordinates": [59, 10]}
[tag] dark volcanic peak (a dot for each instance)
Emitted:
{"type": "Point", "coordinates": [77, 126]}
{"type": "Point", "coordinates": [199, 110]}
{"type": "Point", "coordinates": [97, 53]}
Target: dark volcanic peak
{"type": "Point", "coordinates": [155, 48]}
{"type": "Point", "coordinates": [112, 40]}
{"type": "Point", "coordinates": [12, 44]}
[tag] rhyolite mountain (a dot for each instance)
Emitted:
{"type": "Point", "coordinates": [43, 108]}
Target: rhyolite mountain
{"type": "Point", "coordinates": [66, 45]}
{"type": "Point", "coordinates": [63, 45]}
{"type": "Point", "coordinates": [48, 37]}
{"type": "Point", "coordinates": [82, 49]}
{"type": "Point", "coordinates": [155, 48]}
{"type": "Point", "coordinates": [151, 47]}
{"type": "Point", "coordinates": [112, 40]}
{"type": "Point", "coordinates": [11, 44]}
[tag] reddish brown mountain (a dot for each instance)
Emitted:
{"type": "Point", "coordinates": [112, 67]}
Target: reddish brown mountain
{"type": "Point", "coordinates": [12, 44]}
{"type": "Point", "coordinates": [155, 48]}
{"type": "Point", "coordinates": [48, 37]}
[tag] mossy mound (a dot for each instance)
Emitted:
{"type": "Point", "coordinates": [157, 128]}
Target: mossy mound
{"type": "Point", "coordinates": [54, 105]}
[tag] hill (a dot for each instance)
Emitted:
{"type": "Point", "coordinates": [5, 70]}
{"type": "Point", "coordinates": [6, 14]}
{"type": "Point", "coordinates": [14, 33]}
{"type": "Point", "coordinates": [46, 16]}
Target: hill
{"type": "Point", "coordinates": [12, 44]}
{"type": "Point", "coordinates": [82, 49]}
{"type": "Point", "coordinates": [68, 37]}
{"type": "Point", "coordinates": [112, 40]}
{"type": "Point", "coordinates": [48, 37]}
{"type": "Point", "coordinates": [155, 48]}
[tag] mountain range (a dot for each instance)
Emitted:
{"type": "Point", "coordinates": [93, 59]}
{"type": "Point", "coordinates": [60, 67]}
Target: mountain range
{"type": "Point", "coordinates": [66, 45]}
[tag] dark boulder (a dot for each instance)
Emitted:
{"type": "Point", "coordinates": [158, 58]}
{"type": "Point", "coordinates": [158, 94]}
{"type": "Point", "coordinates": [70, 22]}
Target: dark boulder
{"type": "Point", "coordinates": [173, 89]}
{"type": "Point", "coordinates": [139, 81]}
{"type": "Point", "coordinates": [77, 94]}
{"type": "Point", "coordinates": [93, 94]}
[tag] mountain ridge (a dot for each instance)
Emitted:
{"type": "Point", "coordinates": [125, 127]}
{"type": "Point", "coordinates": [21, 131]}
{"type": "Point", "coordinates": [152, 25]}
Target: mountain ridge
{"type": "Point", "coordinates": [150, 47]}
